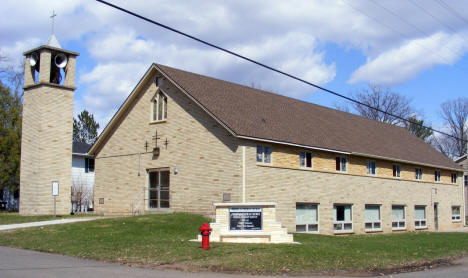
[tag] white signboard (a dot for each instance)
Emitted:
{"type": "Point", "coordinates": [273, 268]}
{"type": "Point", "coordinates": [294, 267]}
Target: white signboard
{"type": "Point", "coordinates": [55, 188]}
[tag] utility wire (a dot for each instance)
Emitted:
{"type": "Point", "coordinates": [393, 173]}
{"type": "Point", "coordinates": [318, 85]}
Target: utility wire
{"type": "Point", "coordinates": [270, 67]}
{"type": "Point", "coordinates": [424, 33]}
{"type": "Point", "coordinates": [398, 32]}
{"type": "Point", "coordinates": [439, 20]}
{"type": "Point", "coordinates": [447, 7]}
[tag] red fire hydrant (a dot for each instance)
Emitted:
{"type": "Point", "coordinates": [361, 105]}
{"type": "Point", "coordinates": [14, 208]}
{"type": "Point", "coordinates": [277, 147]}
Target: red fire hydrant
{"type": "Point", "coordinates": [205, 231]}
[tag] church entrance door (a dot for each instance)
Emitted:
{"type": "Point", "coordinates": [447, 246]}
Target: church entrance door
{"type": "Point", "coordinates": [158, 190]}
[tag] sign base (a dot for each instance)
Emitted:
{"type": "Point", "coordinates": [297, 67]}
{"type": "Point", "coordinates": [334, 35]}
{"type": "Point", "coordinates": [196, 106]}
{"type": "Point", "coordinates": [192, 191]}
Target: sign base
{"type": "Point", "coordinates": [253, 222]}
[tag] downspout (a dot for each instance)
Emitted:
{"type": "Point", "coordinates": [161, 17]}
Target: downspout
{"type": "Point", "coordinates": [243, 174]}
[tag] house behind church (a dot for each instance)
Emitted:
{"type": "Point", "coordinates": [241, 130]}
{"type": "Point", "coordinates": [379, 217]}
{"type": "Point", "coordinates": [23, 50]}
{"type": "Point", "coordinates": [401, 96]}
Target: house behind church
{"type": "Point", "coordinates": [183, 141]}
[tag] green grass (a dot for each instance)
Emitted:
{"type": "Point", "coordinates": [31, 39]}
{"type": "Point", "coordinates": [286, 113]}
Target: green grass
{"type": "Point", "coordinates": [154, 240]}
{"type": "Point", "coordinates": [15, 218]}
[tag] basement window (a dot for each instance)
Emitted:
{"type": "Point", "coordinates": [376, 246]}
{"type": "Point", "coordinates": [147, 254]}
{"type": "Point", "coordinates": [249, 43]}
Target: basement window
{"type": "Point", "coordinates": [456, 217]}
{"type": "Point", "coordinates": [436, 175]}
{"type": "Point", "coordinates": [396, 171]}
{"type": "Point", "coordinates": [372, 217]}
{"type": "Point", "coordinates": [398, 218]}
{"type": "Point", "coordinates": [264, 154]}
{"type": "Point", "coordinates": [341, 163]}
{"type": "Point", "coordinates": [342, 221]}
{"type": "Point", "coordinates": [420, 217]}
{"type": "Point", "coordinates": [305, 160]}
{"type": "Point", "coordinates": [306, 218]}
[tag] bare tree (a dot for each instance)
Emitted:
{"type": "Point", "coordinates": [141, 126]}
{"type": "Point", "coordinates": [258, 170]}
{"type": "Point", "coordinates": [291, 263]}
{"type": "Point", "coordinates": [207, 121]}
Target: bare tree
{"type": "Point", "coordinates": [82, 195]}
{"type": "Point", "coordinates": [455, 116]}
{"type": "Point", "coordinates": [384, 99]}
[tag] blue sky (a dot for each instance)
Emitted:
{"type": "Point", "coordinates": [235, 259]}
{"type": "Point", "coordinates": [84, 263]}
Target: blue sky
{"type": "Point", "coordinates": [416, 47]}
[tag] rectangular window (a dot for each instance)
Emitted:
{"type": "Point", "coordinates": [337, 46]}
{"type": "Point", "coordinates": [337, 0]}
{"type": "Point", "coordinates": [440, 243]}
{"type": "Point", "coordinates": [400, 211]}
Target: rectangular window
{"type": "Point", "coordinates": [264, 154]}
{"type": "Point", "coordinates": [454, 177]}
{"type": "Point", "coordinates": [420, 217]}
{"type": "Point", "coordinates": [307, 218]}
{"type": "Point", "coordinates": [398, 217]}
{"type": "Point", "coordinates": [396, 171]}
{"type": "Point", "coordinates": [305, 159]}
{"type": "Point", "coordinates": [341, 163]}
{"type": "Point", "coordinates": [342, 218]}
{"type": "Point", "coordinates": [456, 217]}
{"type": "Point", "coordinates": [89, 165]}
{"type": "Point", "coordinates": [370, 167]}
{"type": "Point", "coordinates": [372, 217]}
{"type": "Point", "coordinates": [436, 175]}
{"type": "Point", "coordinates": [418, 173]}
{"type": "Point", "coordinates": [466, 180]}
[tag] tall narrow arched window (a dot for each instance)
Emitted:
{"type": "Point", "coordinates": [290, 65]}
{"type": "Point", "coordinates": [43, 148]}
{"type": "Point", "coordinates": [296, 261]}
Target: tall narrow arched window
{"type": "Point", "coordinates": [159, 107]}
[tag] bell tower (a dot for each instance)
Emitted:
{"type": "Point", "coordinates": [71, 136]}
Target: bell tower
{"type": "Point", "coordinates": [47, 129]}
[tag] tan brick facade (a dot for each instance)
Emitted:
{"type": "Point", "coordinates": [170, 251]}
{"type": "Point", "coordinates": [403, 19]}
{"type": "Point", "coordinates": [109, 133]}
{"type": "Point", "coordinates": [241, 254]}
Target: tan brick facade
{"type": "Point", "coordinates": [209, 162]}
{"type": "Point", "coordinates": [205, 154]}
{"type": "Point", "coordinates": [46, 143]}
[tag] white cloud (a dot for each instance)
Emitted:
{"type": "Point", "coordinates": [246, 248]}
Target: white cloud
{"type": "Point", "coordinates": [406, 61]}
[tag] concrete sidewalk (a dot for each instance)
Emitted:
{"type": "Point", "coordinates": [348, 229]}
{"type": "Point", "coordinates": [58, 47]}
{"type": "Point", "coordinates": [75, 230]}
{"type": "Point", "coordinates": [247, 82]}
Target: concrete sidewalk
{"type": "Point", "coordinates": [48, 222]}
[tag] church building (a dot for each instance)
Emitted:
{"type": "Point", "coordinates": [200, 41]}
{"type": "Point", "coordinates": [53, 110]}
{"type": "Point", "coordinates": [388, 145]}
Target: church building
{"type": "Point", "coordinates": [182, 142]}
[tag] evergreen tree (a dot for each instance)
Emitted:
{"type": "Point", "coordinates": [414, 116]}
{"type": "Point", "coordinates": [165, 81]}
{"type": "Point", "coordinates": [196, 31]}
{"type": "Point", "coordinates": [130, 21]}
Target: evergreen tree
{"type": "Point", "coordinates": [10, 137]}
{"type": "Point", "coordinates": [85, 128]}
{"type": "Point", "coordinates": [416, 128]}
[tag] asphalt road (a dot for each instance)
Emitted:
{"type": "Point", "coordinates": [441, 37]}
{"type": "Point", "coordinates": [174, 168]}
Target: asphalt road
{"type": "Point", "coordinates": [26, 263]}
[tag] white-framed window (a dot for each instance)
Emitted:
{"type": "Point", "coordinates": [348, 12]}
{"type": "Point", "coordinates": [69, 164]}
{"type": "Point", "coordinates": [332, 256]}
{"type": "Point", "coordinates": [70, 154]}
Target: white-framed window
{"type": "Point", "coordinates": [370, 164]}
{"type": "Point", "coordinates": [305, 160]}
{"type": "Point", "coordinates": [307, 218]}
{"type": "Point", "coordinates": [159, 107]}
{"type": "Point", "coordinates": [420, 217]}
{"type": "Point", "coordinates": [453, 177]}
{"type": "Point", "coordinates": [372, 218]}
{"type": "Point", "coordinates": [396, 171]}
{"type": "Point", "coordinates": [264, 154]}
{"type": "Point", "coordinates": [418, 173]}
{"type": "Point", "coordinates": [456, 216]}
{"type": "Point", "coordinates": [342, 218]}
{"type": "Point", "coordinates": [398, 218]}
{"type": "Point", "coordinates": [341, 163]}
{"type": "Point", "coordinates": [89, 165]}
{"type": "Point", "coordinates": [436, 175]}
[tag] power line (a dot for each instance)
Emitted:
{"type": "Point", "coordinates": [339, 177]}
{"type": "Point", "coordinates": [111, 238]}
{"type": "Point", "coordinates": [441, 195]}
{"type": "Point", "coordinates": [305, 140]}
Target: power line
{"type": "Point", "coordinates": [410, 24]}
{"type": "Point", "coordinates": [447, 7]}
{"type": "Point", "coordinates": [438, 20]}
{"type": "Point", "coordinates": [398, 32]}
{"type": "Point", "coordinates": [268, 67]}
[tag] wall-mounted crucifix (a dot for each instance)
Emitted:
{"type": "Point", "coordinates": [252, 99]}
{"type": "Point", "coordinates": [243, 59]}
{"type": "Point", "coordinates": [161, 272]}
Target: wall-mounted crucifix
{"type": "Point", "coordinates": [156, 138]}
{"type": "Point", "coordinates": [166, 143]}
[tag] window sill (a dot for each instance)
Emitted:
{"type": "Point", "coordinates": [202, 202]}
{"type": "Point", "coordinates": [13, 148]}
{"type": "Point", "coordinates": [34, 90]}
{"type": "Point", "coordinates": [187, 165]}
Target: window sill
{"type": "Point", "coordinates": [316, 232]}
{"type": "Point", "coordinates": [157, 122]}
{"type": "Point", "coordinates": [398, 229]}
{"type": "Point", "coordinates": [374, 231]}
{"type": "Point", "coordinates": [343, 232]}
{"type": "Point", "coordinates": [264, 164]}
{"type": "Point", "coordinates": [456, 221]}
{"type": "Point", "coordinates": [420, 228]}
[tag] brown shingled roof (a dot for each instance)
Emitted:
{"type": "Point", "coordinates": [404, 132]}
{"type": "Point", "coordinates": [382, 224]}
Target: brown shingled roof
{"type": "Point", "coordinates": [255, 113]}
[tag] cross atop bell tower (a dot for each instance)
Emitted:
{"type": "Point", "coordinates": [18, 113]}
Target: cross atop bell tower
{"type": "Point", "coordinates": [47, 129]}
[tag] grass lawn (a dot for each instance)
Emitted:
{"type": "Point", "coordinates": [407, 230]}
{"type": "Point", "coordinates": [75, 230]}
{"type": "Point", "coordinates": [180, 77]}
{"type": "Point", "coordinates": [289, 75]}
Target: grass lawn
{"type": "Point", "coordinates": [15, 218]}
{"type": "Point", "coordinates": [155, 240]}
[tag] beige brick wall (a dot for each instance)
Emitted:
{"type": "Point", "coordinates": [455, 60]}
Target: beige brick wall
{"type": "Point", "coordinates": [46, 141]}
{"type": "Point", "coordinates": [288, 157]}
{"type": "Point", "coordinates": [464, 164]}
{"type": "Point", "coordinates": [205, 154]}
{"type": "Point", "coordinates": [46, 148]}
{"type": "Point", "coordinates": [286, 184]}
